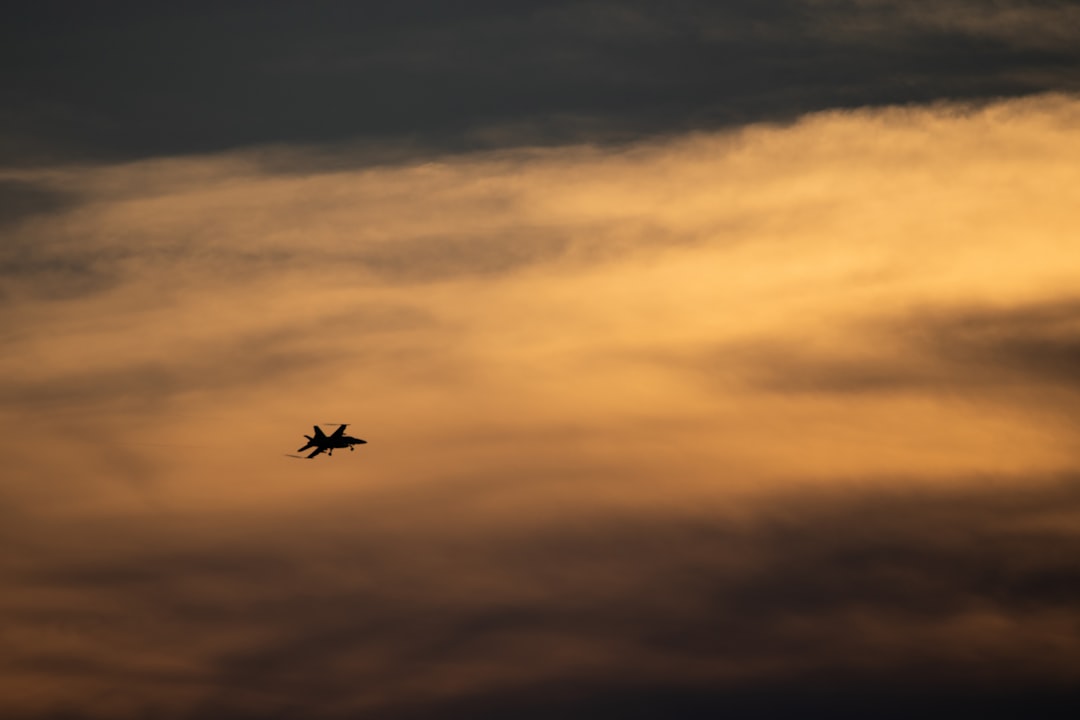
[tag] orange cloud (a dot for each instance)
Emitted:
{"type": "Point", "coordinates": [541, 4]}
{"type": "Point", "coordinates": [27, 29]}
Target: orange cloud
{"type": "Point", "coordinates": [722, 410]}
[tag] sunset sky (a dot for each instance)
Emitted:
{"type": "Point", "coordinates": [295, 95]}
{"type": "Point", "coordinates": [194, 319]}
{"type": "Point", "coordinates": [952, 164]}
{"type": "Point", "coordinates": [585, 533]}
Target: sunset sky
{"type": "Point", "coordinates": [715, 359]}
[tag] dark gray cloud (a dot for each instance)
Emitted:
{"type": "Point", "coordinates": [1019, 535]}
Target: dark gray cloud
{"type": "Point", "coordinates": [20, 200]}
{"type": "Point", "coordinates": [961, 349]}
{"type": "Point", "coordinates": [1037, 343]}
{"type": "Point", "coordinates": [59, 267]}
{"type": "Point", "coordinates": [254, 359]}
{"type": "Point", "coordinates": [150, 383]}
{"type": "Point", "coordinates": [812, 698]}
{"type": "Point", "coordinates": [52, 270]}
{"type": "Point", "coordinates": [129, 79]}
{"type": "Point", "coordinates": [862, 596]}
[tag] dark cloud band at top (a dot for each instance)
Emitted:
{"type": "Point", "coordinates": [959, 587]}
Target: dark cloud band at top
{"type": "Point", "coordinates": [132, 80]}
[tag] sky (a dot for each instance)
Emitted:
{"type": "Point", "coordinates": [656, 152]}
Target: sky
{"type": "Point", "coordinates": [714, 359]}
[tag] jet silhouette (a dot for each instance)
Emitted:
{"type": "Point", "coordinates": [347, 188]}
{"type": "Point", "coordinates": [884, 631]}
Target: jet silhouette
{"type": "Point", "coordinates": [328, 443]}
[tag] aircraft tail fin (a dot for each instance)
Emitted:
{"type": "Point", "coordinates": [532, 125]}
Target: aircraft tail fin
{"type": "Point", "coordinates": [318, 432]}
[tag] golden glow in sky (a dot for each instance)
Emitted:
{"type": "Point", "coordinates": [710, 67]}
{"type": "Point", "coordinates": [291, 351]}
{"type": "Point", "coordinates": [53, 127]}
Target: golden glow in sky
{"type": "Point", "coordinates": [615, 397]}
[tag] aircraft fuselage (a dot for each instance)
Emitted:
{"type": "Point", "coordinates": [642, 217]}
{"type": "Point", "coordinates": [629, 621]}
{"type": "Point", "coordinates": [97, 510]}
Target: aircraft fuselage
{"type": "Point", "coordinates": [328, 443]}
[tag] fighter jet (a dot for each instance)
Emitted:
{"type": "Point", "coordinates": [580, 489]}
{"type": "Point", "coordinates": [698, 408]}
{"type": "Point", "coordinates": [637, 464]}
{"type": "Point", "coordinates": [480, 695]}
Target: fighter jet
{"type": "Point", "coordinates": [328, 443]}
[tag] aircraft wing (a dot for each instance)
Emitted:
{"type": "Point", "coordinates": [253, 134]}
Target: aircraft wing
{"type": "Point", "coordinates": [340, 431]}
{"type": "Point", "coordinates": [315, 452]}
